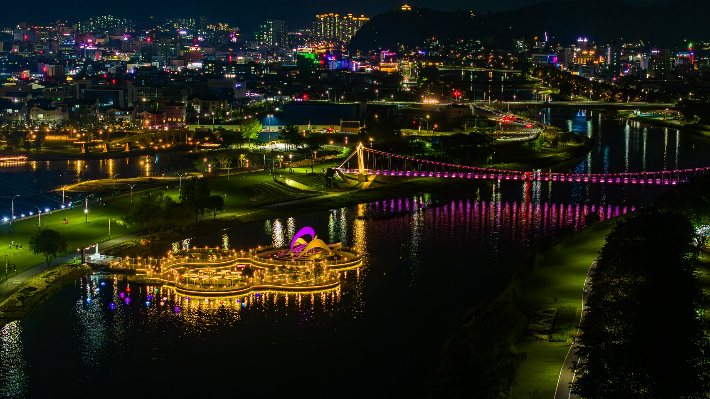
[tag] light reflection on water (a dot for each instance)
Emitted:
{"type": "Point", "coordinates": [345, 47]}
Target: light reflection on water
{"type": "Point", "coordinates": [420, 252]}
{"type": "Point", "coordinates": [13, 376]}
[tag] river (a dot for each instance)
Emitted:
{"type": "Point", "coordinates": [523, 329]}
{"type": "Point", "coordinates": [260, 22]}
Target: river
{"type": "Point", "coordinates": [428, 258]}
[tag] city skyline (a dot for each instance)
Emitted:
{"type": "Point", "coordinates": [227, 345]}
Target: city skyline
{"type": "Point", "coordinates": [248, 16]}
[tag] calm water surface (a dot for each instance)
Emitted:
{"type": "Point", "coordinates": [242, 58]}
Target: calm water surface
{"type": "Point", "coordinates": [427, 260]}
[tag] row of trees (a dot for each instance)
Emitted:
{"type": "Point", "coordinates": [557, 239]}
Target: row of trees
{"type": "Point", "coordinates": [27, 140]}
{"type": "Point", "coordinates": [644, 334]}
{"type": "Point", "coordinates": [569, 84]}
{"type": "Point", "coordinates": [155, 211]}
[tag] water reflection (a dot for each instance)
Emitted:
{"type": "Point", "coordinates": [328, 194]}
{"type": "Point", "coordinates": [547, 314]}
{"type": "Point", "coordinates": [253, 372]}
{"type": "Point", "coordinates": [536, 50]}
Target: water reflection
{"type": "Point", "coordinates": [13, 377]}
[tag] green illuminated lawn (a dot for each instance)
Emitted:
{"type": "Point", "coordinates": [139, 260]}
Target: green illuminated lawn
{"type": "Point", "coordinates": [560, 274]}
{"type": "Point", "coordinates": [80, 233]}
{"type": "Point", "coordinates": [541, 369]}
{"type": "Point", "coordinates": [77, 232]}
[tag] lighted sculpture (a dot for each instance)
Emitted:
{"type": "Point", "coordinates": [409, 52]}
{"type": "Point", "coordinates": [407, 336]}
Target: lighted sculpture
{"type": "Point", "coordinates": [315, 249]}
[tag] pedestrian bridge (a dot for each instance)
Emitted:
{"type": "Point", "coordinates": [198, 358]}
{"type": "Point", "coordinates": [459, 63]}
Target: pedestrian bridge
{"type": "Point", "coordinates": [373, 162]}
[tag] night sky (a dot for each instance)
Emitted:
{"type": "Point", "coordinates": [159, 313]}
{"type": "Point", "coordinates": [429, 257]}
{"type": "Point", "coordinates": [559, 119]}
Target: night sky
{"type": "Point", "coordinates": [244, 14]}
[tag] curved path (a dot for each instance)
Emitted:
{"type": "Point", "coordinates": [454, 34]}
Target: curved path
{"type": "Point", "coordinates": [566, 373]}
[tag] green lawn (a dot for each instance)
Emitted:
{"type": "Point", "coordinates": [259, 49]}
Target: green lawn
{"type": "Point", "coordinates": [79, 233]}
{"type": "Point", "coordinates": [541, 369]}
{"type": "Point", "coordinates": [560, 274]}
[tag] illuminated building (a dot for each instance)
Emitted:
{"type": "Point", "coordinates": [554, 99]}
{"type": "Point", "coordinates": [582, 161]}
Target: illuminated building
{"type": "Point", "coordinates": [660, 63]}
{"type": "Point", "coordinates": [334, 28]}
{"type": "Point", "coordinates": [273, 33]}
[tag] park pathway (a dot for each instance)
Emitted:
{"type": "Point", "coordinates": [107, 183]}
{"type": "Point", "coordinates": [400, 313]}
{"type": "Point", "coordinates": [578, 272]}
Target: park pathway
{"type": "Point", "coordinates": [566, 374]}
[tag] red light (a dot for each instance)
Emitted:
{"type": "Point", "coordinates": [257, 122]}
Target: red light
{"type": "Point", "coordinates": [529, 125]}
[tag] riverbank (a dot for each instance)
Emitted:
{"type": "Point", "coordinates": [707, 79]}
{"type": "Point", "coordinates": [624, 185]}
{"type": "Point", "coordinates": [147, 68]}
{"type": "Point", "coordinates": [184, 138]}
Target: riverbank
{"type": "Point", "coordinates": [548, 280]}
{"type": "Point", "coordinates": [37, 289]}
{"type": "Point", "coordinates": [557, 281]}
{"type": "Point", "coordinates": [694, 128]}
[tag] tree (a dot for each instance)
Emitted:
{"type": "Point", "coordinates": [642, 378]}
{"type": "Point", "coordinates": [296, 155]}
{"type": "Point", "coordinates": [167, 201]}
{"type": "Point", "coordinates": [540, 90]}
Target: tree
{"type": "Point", "coordinates": [195, 193]}
{"type": "Point", "coordinates": [201, 165]}
{"type": "Point", "coordinates": [629, 351]}
{"type": "Point", "coordinates": [250, 129]}
{"type": "Point", "coordinates": [216, 203]}
{"type": "Point", "coordinates": [314, 141]}
{"type": "Point", "coordinates": [149, 212]}
{"type": "Point", "coordinates": [13, 140]}
{"type": "Point", "coordinates": [39, 139]}
{"type": "Point", "coordinates": [49, 243]}
{"type": "Point", "coordinates": [155, 211]}
{"type": "Point", "coordinates": [224, 159]}
{"type": "Point", "coordinates": [291, 136]}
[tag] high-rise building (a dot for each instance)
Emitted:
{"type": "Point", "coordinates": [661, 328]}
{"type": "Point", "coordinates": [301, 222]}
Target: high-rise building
{"type": "Point", "coordinates": [613, 57]}
{"type": "Point", "coordinates": [660, 63]}
{"type": "Point", "coordinates": [335, 28]}
{"type": "Point", "coordinates": [273, 33]}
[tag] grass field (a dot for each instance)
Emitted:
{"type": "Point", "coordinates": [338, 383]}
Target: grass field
{"type": "Point", "coordinates": [80, 233]}
{"type": "Point", "coordinates": [560, 274]}
{"type": "Point", "coordinates": [541, 369]}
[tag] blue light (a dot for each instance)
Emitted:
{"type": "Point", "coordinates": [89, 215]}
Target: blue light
{"type": "Point", "coordinates": [103, 283]}
{"type": "Point", "coordinates": [88, 300]}
{"type": "Point", "coordinates": [150, 297]}
{"type": "Point", "coordinates": [244, 304]}
{"type": "Point", "coordinates": [147, 303]}
{"type": "Point", "coordinates": [112, 305]}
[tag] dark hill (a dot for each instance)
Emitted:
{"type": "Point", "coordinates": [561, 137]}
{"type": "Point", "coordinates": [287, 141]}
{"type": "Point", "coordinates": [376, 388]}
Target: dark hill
{"type": "Point", "coordinates": [564, 21]}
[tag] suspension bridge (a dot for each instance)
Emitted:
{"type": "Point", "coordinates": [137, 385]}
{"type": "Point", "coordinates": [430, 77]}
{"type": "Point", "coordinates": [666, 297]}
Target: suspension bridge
{"type": "Point", "coordinates": [373, 162]}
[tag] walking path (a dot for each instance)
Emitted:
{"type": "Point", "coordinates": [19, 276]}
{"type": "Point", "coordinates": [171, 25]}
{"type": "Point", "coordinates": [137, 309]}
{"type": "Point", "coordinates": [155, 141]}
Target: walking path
{"type": "Point", "coordinates": [566, 374]}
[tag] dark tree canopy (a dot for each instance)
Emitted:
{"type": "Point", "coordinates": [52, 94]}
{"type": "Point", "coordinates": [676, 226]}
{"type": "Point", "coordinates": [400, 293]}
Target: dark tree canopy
{"type": "Point", "coordinates": [154, 211]}
{"type": "Point", "coordinates": [641, 335]}
{"type": "Point", "coordinates": [196, 193]}
{"type": "Point", "coordinates": [49, 243]}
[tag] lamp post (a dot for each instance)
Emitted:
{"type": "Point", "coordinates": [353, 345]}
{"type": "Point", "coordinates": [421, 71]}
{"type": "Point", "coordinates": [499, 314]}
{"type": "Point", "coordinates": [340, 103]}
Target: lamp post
{"type": "Point", "coordinates": [86, 209]}
{"type": "Point", "coordinates": [133, 185]}
{"type": "Point", "coordinates": [6, 279]}
{"type": "Point", "coordinates": [39, 217]}
{"type": "Point", "coordinates": [269, 128]}
{"type": "Point", "coordinates": [12, 211]}
{"type": "Point", "coordinates": [114, 183]}
{"type": "Point", "coordinates": [63, 187]}
{"type": "Point", "coordinates": [180, 175]}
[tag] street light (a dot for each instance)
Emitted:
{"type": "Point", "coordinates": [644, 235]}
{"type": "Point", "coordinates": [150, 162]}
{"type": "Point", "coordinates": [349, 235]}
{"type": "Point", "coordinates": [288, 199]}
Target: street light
{"type": "Point", "coordinates": [39, 217]}
{"type": "Point", "coordinates": [12, 211]}
{"type": "Point", "coordinates": [114, 183]}
{"type": "Point", "coordinates": [133, 185]}
{"type": "Point", "coordinates": [86, 209]}
{"type": "Point", "coordinates": [6, 279]}
{"type": "Point", "coordinates": [180, 175]}
{"type": "Point", "coordinates": [63, 187]}
{"type": "Point", "coordinates": [269, 128]}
